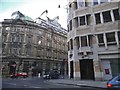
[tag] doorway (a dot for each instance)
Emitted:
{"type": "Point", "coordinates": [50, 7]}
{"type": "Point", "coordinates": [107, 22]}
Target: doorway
{"type": "Point", "coordinates": [87, 69]}
{"type": "Point", "coordinates": [71, 69]}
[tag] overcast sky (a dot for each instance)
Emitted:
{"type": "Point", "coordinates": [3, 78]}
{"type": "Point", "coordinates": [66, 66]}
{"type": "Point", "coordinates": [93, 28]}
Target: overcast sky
{"type": "Point", "coordinates": [34, 8]}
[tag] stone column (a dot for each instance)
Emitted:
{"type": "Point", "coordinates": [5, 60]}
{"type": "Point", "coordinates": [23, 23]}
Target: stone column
{"type": "Point", "coordinates": [97, 70]}
{"type": "Point", "coordinates": [101, 18]}
{"type": "Point", "coordinates": [116, 37]}
{"type": "Point", "coordinates": [112, 15]}
{"type": "Point", "coordinates": [105, 40]}
{"type": "Point", "coordinates": [77, 70]}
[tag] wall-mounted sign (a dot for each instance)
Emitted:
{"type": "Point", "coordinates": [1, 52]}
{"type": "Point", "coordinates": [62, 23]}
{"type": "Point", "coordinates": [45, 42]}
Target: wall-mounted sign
{"type": "Point", "coordinates": [107, 71]}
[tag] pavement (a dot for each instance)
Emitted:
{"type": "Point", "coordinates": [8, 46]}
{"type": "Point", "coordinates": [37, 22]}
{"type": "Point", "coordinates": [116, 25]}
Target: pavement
{"type": "Point", "coordinates": [83, 83]}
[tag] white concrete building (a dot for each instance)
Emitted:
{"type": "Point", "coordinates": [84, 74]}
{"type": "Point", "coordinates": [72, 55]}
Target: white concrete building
{"type": "Point", "coordinates": [93, 39]}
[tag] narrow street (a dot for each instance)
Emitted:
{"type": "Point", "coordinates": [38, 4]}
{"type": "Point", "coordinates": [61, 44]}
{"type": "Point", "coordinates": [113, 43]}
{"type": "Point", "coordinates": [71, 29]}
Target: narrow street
{"type": "Point", "coordinates": [37, 83]}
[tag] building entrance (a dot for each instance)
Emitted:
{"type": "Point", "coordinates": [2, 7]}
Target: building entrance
{"type": "Point", "coordinates": [86, 69]}
{"type": "Point", "coordinates": [71, 69]}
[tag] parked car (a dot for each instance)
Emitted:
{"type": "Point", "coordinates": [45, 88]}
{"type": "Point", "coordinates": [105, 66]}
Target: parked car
{"type": "Point", "coordinates": [114, 83]}
{"type": "Point", "coordinates": [51, 75]}
{"type": "Point", "coordinates": [46, 75]}
{"type": "Point", "coordinates": [54, 74]}
{"type": "Point", "coordinates": [19, 74]}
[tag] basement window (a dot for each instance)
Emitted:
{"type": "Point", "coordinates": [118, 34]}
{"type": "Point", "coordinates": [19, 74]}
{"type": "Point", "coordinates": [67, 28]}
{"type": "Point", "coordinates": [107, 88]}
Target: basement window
{"type": "Point", "coordinates": [97, 18]}
{"type": "Point", "coordinates": [107, 16]}
{"type": "Point", "coordinates": [116, 14]}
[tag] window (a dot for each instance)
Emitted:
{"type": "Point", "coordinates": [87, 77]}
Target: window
{"type": "Point", "coordinates": [81, 3]}
{"type": "Point", "coordinates": [119, 36]}
{"type": "Point", "coordinates": [107, 16]}
{"type": "Point", "coordinates": [68, 27]}
{"type": "Point", "coordinates": [103, 1]}
{"type": "Point", "coordinates": [21, 38]}
{"type": "Point", "coordinates": [3, 48]}
{"type": "Point", "coordinates": [13, 38]}
{"type": "Point", "coordinates": [83, 41]}
{"type": "Point", "coordinates": [71, 43]}
{"type": "Point", "coordinates": [100, 38]}
{"type": "Point", "coordinates": [21, 29]}
{"type": "Point", "coordinates": [76, 21]}
{"type": "Point", "coordinates": [70, 24]}
{"type": "Point", "coordinates": [88, 19]}
{"type": "Point", "coordinates": [86, 3]}
{"type": "Point", "coordinates": [28, 51]}
{"type": "Point", "coordinates": [4, 38]}
{"type": "Point", "coordinates": [70, 9]}
{"type": "Point", "coordinates": [110, 38]}
{"type": "Point", "coordinates": [75, 5]}
{"type": "Point", "coordinates": [68, 46]}
{"type": "Point", "coordinates": [15, 50]}
{"type": "Point", "coordinates": [95, 2]}
{"type": "Point", "coordinates": [82, 20]}
{"type": "Point", "coordinates": [77, 42]}
{"type": "Point", "coordinates": [90, 38]}
{"type": "Point", "coordinates": [17, 38]}
{"type": "Point", "coordinates": [116, 14]}
{"type": "Point", "coordinates": [97, 18]}
{"type": "Point", "coordinates": [29, 39]}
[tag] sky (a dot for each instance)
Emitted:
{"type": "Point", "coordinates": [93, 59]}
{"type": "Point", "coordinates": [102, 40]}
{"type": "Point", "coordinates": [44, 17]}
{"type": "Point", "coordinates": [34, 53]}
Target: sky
{"type": "Point", "coordinates": [34, 8]}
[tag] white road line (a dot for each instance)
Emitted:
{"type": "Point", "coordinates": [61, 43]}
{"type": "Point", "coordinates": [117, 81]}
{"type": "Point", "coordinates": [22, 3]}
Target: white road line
{"type": "Point", "coordinates": [25, 85]}
{"type": "Point", "coordinates": [81, 84]}
{"type": "Point", "coordinates": [12, 83]}
{"type": "Point", "coordinates": [34, 87]}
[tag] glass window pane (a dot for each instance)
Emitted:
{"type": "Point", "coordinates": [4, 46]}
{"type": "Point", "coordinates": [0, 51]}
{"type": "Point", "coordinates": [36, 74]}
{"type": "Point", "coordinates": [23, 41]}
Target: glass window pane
{"type": "Point", "coordinates": [107, 16]}
{"type": "Point", "coordinates": [110, 37]}
{"type": "Point", "coordinates": [116, 14]}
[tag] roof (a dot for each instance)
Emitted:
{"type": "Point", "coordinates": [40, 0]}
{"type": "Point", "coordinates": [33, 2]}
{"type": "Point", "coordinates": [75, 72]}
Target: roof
{"type": "Point", "coordinates": [19, 15]}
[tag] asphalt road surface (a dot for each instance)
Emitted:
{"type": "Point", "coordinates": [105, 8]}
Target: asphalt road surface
{"type": "Point", "coordinates": [38, 84]}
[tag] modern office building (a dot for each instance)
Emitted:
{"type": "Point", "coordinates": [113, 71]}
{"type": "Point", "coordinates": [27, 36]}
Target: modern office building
{"type": "Point", "coordinates": [93, 39]}
{"type": "Point", "coordinates": [33, 46]}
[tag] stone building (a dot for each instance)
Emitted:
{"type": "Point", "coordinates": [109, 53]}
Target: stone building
{"type": "Point", "coordinates": [33, 46]}
{"type": "Point", "coordinates": [93, 39]}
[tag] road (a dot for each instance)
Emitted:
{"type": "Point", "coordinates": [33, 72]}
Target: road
{"type": "Point", "coordinates": [37, 83]}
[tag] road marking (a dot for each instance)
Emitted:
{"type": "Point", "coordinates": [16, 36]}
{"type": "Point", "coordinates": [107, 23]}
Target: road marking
{"type": "Point", "coordinates": [25, 85]}
{"type": "Point", "coordinates": [12, 83]}
{"type": "Point", "coordinates": [81, 84]}
{"type": "Point", "coordinates": [35, 87]}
